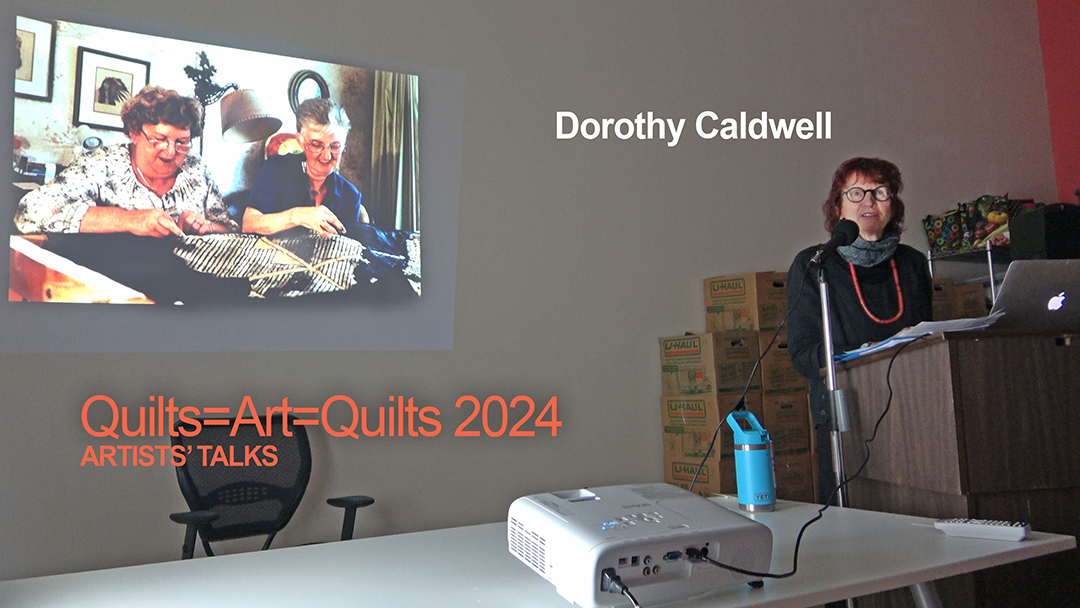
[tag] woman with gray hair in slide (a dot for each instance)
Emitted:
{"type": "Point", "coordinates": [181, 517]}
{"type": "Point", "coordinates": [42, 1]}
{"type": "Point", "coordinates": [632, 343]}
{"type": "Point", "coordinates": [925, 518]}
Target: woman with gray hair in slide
{"type": "Point", "coordinates": [306, 190]}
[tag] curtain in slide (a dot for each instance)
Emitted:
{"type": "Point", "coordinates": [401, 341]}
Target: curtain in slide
{"type": "Point", "coordinates": [395, 152]}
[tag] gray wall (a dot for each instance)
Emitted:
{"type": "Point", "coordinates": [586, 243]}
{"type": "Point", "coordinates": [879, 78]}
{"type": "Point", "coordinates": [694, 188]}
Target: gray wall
{"type": "Point", "coordinates": [574, 256]}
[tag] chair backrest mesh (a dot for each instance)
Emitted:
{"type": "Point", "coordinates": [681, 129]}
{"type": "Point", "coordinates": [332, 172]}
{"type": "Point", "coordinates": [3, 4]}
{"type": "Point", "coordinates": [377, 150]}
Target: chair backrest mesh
{"type": "Point", "coordinates": [254, 490]}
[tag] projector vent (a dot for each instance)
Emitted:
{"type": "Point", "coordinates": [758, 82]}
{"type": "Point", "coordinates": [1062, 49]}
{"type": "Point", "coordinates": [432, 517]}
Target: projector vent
{"type": "Point", "coordinates": [743, 559]}
{"type": "Point", "coordinates": [528, 546]}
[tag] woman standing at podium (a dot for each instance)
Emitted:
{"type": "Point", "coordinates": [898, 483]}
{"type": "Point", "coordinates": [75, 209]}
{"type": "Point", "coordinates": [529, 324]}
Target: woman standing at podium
{"type": "Point", "coordinates": [877, 286]}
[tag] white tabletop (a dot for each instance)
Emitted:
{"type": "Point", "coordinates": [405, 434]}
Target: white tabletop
{"type": "Point", "coordinates": [848, 553]}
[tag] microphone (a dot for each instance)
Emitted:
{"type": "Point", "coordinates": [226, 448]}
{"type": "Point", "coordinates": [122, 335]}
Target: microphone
{"type": "Point", "coordinates": [844, 234]}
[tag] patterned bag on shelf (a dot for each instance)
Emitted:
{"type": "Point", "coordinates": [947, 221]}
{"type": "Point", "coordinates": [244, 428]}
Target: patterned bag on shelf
{"type": "Point", "coordinates": [944, 232]}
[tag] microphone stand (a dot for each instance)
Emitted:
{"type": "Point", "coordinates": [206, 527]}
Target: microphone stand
{"type": "Point", "coordinates": [924, 594]}
{"type": "Point", "coordinates": [837, 405]}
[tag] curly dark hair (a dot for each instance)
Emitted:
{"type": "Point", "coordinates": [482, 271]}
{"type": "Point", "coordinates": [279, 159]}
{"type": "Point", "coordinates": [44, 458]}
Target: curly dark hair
{"type": "Point", "coordinates": [155, 105]}
{"type": "Point", "coordinates": [873, 169]}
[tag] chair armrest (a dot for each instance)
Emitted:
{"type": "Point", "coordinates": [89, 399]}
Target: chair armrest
{"type": "Point", "coordinates": [350, 504]}
{"type": "Point", "coordinates": [194, 520]}
{"type": "Point", "coordinates": [193, 517]}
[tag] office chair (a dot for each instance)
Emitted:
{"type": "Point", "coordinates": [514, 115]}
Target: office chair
{"type": "Point", "coordinates": [248, 484]}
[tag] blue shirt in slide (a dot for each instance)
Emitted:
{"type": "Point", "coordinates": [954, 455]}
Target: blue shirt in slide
{"type": "Point", "coordinates": [282, 185]}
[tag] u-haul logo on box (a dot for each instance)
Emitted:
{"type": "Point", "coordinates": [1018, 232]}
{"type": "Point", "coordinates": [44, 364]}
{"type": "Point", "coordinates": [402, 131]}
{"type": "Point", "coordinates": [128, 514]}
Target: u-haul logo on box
{"type": "Point", "coordinates": [684, 471]}
{"type": "Point", "coordinates": [683, 346]}
{"type": "Point", "coordinates": [686, 408]}
{"type": "Point", "coordinates": [727, 287]}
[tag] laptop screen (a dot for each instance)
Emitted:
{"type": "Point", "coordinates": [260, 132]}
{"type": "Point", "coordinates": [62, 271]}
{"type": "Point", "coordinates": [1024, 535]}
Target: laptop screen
{"type": "Point", "coordinates": [1040, 294]}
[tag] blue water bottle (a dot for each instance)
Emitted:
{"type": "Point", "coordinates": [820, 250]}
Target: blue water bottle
{"type": "Point", "coordinates": [753, 463]}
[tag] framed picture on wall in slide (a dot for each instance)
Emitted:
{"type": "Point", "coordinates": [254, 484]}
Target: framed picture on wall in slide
{"type": "Point", "coordinates": [103, 82]}
{"type": "Point", "coordinates": [35, 41]}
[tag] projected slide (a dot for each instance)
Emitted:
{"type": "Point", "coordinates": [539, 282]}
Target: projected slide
{"type": "Point", "coordinates": [167, 171]}
{"type": "Point", "coordinates": [120, 147]}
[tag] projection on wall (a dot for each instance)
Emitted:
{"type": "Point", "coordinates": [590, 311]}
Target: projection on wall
{"type": "Point", "coordinates": [292, 212]}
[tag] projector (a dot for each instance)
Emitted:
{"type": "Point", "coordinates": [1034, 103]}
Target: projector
{"type": "Point", "coordinates": [640, 533]}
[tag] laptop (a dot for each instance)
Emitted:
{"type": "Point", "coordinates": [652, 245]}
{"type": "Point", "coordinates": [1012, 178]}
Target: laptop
{"type": "Point", "coordinates": [1039, 294]}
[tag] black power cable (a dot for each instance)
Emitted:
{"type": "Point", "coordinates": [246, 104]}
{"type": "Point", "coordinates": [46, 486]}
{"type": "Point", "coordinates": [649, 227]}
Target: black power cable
{"type": "Point", "coordinates": [611, 583]}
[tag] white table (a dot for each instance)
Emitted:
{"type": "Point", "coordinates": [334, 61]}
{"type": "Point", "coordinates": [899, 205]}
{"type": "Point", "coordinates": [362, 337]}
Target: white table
{"type": "Point", "coordinates": [848, 553]}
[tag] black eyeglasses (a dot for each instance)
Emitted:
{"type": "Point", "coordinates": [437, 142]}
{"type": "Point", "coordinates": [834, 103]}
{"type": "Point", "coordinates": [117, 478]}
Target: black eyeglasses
{"type": "Point", "coordinates": [856, 195]}
{"type": "Point", "coordinates": [315, 146]}
{"type": "Point", "coordinates": [182, 146]}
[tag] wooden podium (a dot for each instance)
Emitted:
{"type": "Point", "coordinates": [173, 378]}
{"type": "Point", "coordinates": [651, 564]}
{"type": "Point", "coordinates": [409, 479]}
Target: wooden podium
{"type": "Point", "coordinates": [984, 425]}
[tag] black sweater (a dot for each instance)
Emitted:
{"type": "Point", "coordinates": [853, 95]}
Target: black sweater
{"type": "Point", "coordinates": [851, 326]}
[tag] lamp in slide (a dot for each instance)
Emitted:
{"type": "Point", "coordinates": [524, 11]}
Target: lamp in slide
{"type": "Point", "coordinates": [243, 118]}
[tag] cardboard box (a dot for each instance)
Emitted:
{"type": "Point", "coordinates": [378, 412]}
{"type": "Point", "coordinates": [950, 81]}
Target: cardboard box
{"type": "Point", "coordinates": [754, 301]}
{"type": "Point", "coordinates": [795, 476]}
{"type": "Point", "coordinates": [787, 418]}
{"type": "Point", "coordinates": [777, 372]}
{"type": "Point", "coordinates": [708, 363]}
{"type": "Point", "coordinates": [689, 422]}
{"type": "Point", "coordinates": [942, 300]}
{"type": "Point", "coordinates": [952, 301]}
{"type": "Point", "coordinates": [680, 472]}
{"type": "Point", "coordinates": [969, 301]}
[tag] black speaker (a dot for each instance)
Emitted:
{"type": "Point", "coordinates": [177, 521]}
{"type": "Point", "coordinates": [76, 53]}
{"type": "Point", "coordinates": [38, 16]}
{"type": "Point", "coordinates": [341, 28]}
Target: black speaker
{"type": "Point", "coordinates": [1046, 233]}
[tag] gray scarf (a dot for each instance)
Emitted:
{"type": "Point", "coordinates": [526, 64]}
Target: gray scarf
{"type": "Point", "coordinates": [870, 253]}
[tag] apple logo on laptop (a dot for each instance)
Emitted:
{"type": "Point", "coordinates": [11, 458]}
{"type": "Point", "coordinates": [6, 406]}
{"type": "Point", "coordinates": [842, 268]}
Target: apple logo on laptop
{"type": "Point", "coordinates": [1056, 302]}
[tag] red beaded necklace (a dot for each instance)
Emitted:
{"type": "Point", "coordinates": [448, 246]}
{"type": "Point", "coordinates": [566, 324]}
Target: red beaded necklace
{"type": "Point", "coordinates": [862, 302]}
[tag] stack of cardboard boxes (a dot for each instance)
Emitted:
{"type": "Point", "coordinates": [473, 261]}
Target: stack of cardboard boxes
{"type": "Point", "coordinates": [703, 376]}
